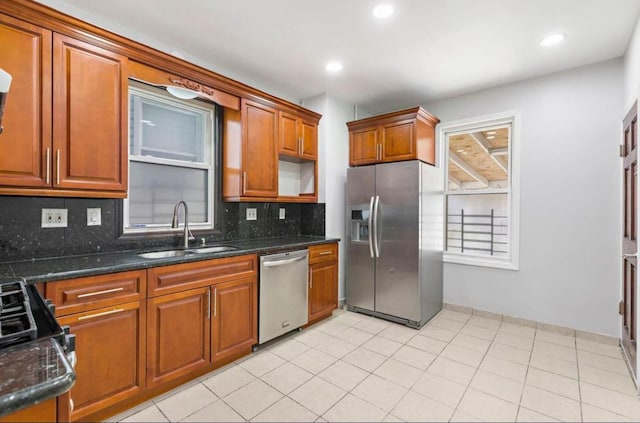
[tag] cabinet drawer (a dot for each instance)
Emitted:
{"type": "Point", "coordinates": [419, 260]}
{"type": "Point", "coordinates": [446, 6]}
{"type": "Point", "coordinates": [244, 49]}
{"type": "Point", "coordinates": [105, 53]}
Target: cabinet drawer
{"type": "Point", "coordinates": [169, 279]}
{"type": "Point", "coordinates": [321, 253]}
{"type": "Point", "coordinates": [83, 294]}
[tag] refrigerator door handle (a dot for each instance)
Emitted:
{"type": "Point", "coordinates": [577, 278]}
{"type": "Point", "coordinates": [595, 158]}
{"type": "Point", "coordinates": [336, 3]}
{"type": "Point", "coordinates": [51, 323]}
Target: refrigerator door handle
{"type": "Point", "coordinates": [376, 206]}
{"type": "Point", "coordinates": [371, 203]}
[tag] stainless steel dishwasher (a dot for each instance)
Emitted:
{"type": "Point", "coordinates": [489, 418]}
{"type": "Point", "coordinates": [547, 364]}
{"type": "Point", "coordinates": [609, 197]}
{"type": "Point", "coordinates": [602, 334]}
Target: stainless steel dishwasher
{"type": "Point", "coordinates": [284, 293]}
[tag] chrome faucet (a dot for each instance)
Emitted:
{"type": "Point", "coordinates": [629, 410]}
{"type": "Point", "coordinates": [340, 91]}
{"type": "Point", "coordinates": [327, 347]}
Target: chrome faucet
{"type": "Point", "coordinates": [174, 222]}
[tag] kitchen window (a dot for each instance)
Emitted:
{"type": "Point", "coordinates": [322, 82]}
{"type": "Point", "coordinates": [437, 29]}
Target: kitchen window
{"type": "Point", "coordinates": [171, 158]}
{"type": "Point", "coordinates": [481, 159]}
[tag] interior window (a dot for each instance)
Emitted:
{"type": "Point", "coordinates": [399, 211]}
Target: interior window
{"type": "Point", "coordinates": [171, 158]}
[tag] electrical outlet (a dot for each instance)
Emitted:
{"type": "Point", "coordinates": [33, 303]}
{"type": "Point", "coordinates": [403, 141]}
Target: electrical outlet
{"type": "Point", "coordinates": [54, 218]}
{"type": "Point", "coordinates": [252, 214]}
{"type": "Point", "coordinates": [94, 217]}
{"type": "Point", "coordinates": [282, 212]}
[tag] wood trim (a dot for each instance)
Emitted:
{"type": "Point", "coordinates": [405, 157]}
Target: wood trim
{"type": "Point", "coordinates": [411, 113]}
{"type": "Point", "coordinates": [56, 21]}
{"type": "Point", "coordinates": [148, 74]}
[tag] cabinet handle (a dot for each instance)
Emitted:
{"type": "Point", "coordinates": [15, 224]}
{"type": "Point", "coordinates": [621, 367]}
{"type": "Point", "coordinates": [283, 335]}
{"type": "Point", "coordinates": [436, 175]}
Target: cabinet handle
{"type": "Point", "coordinates": [106, 291]}
{"type": "Point", "coordinates": [48, 165]}
{"type": "Point", "coordinates": [58, 167]}
{"type": "Point", "coordinates": [104, 313]}
{"type": "Point", "coordinates": [326, 253]}
{"type": "Point", "coordinates": [244, 182]}
{"type": "Point", "coordinates": [209, 303]}
{"type": "Point", "coordinates": [310, 279]}
{"type": "Point", "coordinates": [300, 146]}
{"type": "Point", "coordinates": [215, 302]}
{"type": "Point", "coordinates": [71, 405]}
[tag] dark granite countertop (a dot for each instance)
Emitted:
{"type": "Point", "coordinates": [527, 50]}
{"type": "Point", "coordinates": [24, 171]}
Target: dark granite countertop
{"type": "Point", "coordinates": [58, 268]}
{"type": "Point", "coordinates": [31, 373]}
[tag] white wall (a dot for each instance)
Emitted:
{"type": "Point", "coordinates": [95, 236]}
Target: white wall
{"type": "Point", "coordinates": [570, 201]}
{"type": "Point", "coordinates": [632, 68]}
{"type": "Point", "coordinates": [333, 156]}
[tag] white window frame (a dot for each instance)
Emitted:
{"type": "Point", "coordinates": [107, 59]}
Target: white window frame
{"type": "Point", "coordinates": [209, 114]}
{"type": "Point", "coordinates": [446, 129]}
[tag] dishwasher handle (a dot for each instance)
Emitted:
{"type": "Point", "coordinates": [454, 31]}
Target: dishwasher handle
{"type": "Point", "coordinates": [282, 262]}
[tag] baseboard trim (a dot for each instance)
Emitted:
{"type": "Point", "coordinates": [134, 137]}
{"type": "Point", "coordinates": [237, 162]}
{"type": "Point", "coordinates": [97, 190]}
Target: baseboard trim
{"type": "Point", "coordinates": [562, 330]}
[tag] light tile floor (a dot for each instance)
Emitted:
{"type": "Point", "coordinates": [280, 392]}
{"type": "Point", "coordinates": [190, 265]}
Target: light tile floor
{"type": "Point", "coordinates": [458, 367]}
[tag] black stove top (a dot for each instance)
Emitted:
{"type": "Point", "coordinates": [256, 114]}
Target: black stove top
{"type": "Point", "coordinates": [17, 324]}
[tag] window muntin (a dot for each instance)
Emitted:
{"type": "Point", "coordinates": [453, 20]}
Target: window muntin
{"type": "Point", "coordinates": [171, 158]}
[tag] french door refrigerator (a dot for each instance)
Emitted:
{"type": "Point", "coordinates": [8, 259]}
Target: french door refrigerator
{"type": "Point", "coordinates": [394, 241]}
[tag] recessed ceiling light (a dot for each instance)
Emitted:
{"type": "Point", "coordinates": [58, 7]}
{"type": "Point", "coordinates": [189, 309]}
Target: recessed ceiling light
{"type": "Point", "coordinates": [382, 11]}
{"type": "Point", "coordinates": [552, 40]}
{"type": "Point", "coordinates": [491, 133]}
{"type": "Point", "coordinates": [334, 67]}
{"type": "Point", "coordinates": [459, 151]}
{"type": "Point", "coordinates": [490, 137]}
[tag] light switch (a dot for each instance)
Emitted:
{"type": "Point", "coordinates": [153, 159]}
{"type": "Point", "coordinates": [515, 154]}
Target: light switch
{"type": "Point", "coordinates": [94, 217]}
{"type": "Point", "coordinates": [282, 213]}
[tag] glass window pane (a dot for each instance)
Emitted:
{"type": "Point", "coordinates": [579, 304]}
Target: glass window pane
{"type": "Point", "coordinates": [165, 131]}
{"type": "Point", "coordinates": [478, 224]}
{"type": "Point", "coordinates": [479, 159]}
{"type": "Point", "coordinates": [154, 189]}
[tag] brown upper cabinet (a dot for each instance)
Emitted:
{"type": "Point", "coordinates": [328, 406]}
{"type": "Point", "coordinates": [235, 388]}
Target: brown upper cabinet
{"type": "Point", "coordinates": [66, 115]}
{"type": "Point", "coordinates": [298, 136]}
{"type": "Point", "coordinates": [403, 135]}
{"type": "Point", "coordinates": [256, 139]}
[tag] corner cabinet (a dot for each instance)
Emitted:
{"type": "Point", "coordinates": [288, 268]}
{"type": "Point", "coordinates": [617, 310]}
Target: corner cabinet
{"type": "Point", "coordinates": [403, 135]}
{"type": "Point", "coordinates": [66, 115]}
{"type": "Point", "coordinates": [323, 281]}
{"type": "Point", "coordinates": [269, 154]}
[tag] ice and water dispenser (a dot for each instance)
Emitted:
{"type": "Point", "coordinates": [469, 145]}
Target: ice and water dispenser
{"type": "Point", "coordinates": [360, 225]}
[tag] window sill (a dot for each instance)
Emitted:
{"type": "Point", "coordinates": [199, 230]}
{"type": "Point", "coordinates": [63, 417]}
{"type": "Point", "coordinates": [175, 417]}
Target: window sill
{"type": "Point", "coordinates": [479, 261]}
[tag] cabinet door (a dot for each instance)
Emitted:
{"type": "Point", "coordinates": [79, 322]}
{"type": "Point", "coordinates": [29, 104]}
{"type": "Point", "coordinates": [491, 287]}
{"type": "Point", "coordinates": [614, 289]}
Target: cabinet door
{"type": "Point", "coordinates": [89, 117]}
{"type": "Point", "coordinates": [323, 290]}
{"type": "Point", "coordinates": [309, 136]}
{"type": "Point", "coordinates": [26, 55]}
{"type": "Point", "coordinates": [110, 347]}
{"type": "Point", "coordinates": [398, 141]}
{"type": "Point", "coordinates": [178, 328]}
{"type": "Point", "coordinates": [363, 146]}
{"type": "Point", "coordinates": [235, 318]}
{"type": "Point", "coordinates": [289, 139]}
{"type": "Point", "coordinates": [259, 150]}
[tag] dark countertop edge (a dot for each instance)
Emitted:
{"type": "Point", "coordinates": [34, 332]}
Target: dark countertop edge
{"type": "Point", "coordinates": [269, 245]}
{"type": "Point", "coordinates": [36, 394]}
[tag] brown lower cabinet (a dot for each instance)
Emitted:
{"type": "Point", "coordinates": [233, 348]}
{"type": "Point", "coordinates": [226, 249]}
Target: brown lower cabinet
{"type": "Point", "coordinates": [144, 332]}
{"type": "Point", "coordinates": [178, 335]}
{"type": "Point", "coordinates": [110, 349]}
{"type": "Point", "coordinates": [43, 412]}
{"type": "Point", "coordinates": [323, 281]}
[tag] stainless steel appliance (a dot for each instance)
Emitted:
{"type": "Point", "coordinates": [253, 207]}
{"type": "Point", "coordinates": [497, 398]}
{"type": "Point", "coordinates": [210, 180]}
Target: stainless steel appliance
{"type": "Point", "coordinates": [394, 241]}
{"type": "Point", "coordinates": [283, 293]}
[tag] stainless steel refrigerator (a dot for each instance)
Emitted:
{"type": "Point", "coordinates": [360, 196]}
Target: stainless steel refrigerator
{"type": "Point", "coordinates": [395, 223]}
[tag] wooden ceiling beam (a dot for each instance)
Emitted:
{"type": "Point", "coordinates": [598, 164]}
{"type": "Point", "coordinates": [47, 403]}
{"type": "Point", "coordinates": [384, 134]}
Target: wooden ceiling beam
{"type": "Point", "coordinates": [455, 181]}
{"type": "Point", "coordinates": [486, 146]}
{"type": "Point", "coordinates": [467, 168]}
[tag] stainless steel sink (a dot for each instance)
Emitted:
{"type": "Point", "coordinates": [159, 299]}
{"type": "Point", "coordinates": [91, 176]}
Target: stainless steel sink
{"type": "Point", "coordinates": [218, 249]}
{"type": "Point", "coordinates": [165, 254]}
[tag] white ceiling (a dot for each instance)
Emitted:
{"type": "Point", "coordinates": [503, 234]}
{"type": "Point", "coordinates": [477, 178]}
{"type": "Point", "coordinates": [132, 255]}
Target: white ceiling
{"type": "Point", "coordinates": [429, 49]}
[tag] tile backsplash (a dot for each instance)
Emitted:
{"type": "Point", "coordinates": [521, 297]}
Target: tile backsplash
{"type": "Point", "coordinates": [21, 236]}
